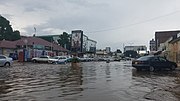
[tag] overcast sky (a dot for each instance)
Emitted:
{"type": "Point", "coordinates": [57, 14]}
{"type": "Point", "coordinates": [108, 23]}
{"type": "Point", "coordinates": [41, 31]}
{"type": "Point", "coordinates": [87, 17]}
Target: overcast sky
{"type": "Point", "coordinates": [109, 22]}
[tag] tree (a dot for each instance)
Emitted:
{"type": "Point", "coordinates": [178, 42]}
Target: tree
{"type": "Point", "coordinates": [16, 35]}
{"type": "Point", "coordinates": [118, 51]}
{"type": "Point", "coordinates": [6, 31]}
{"type": "Point", "coordinates": [65, 41]}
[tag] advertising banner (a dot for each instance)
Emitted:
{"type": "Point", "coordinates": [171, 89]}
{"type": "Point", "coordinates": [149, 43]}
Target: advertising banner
{"type": "Point", "coordinates": [76, 40]}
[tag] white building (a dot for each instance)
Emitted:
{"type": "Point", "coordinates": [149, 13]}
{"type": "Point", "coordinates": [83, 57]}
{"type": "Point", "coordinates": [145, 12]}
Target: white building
{"type": "Point", "coordinates": [135, 48]}
{"type": "Point", "coordinates": [152, 45]}
{"type": "Point", "coordinates": [108, 49]}
{"type": "Point", "coordinates": [91, 47]}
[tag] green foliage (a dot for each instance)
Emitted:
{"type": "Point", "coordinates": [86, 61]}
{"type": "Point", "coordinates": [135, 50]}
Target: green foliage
{"type": "Point", "coordinates": [119, 51]}
{"type": "Point", "coordinates": [47, 38]}
{"type": "Point", "coordinates": [75, 60]}
{"type": "Point", "coordinates": [65, 41]}
{"type": "Point", "coordinates": [6, 31]}
{"type": "Point", "coordinates": [16, 35]}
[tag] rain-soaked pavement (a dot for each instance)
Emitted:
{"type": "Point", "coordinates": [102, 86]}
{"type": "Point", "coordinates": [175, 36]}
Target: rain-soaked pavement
{"type": "Point", "coordinates": [94, 81]}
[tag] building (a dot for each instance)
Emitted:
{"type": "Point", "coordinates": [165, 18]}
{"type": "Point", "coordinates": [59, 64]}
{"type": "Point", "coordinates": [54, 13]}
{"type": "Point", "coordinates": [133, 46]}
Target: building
{"type": "Point", "coordinates": [162, 36]}
{"type": "Point", "coordinates": [85, 44]}
{"type": "Point", "coordinates": [81, 44]}
{"type": "Point", "coordinates": [108, 49]}
{"type": "Point", "coordinates": [31, 47]}
{"type": "Point", "coordinates": [174, 50]}
{"type": "Point", "coordinates": [91, 47]}
{"type": "Point", "coordinates": [7, 47]}
{"type": "Point", "coordinates": [152, 45]}
{"type": "Point", "coordinates": [37, 47]}
{"type": "Point", "coordinates": [135, 48]}
{"type": "Point", "coordinates": [171, 49]}
{"type": "Point", "coordinates": [100, 54]}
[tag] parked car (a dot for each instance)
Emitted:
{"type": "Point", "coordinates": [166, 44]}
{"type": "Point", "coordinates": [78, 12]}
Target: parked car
{"type": "Point", "coordinates": [86, 59]}
{"type": "Point", "coordinates": [153, 63]}
{"type": "Point", "coordinates": [14, 56]}
{"type": "Point", "coordinates": [59, 59]}
{"type": "Point", "coordinates": [5, 61]}
{"type": "Point", "coordinates": [46, 59]}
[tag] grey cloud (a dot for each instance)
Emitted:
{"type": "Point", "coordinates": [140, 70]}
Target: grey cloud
{"type": "Point", "coordinates": [34, 5]}
{"type": "Point", "coordinates": [97, 15]}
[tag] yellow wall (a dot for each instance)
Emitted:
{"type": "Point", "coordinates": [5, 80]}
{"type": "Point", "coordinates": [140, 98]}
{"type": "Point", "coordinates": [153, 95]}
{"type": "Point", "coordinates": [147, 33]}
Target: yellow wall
{"type": "Point", "coordinates": [7, 51]}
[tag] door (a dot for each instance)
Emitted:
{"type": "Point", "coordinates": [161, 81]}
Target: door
{"type": "Point", "coordinates": [164, 63]}
{"type": "Point", "coordinates": [155, 62]}
{"type": "Point", "coordinates": [2, 60]}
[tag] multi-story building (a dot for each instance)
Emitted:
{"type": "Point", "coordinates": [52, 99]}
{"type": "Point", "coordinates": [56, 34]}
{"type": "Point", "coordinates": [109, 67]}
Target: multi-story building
{"type": "Point", "coordinates": [81, 44]}
{"type": "Point", "coordinates": [162, 36]}
{"type": "Point", "coordinates": [152, 45]}
{"type": "Point", "coordinates": [85, 44]}
{"type": "Point", "coordinates": [170, 48]}
{"type": "Point", "coordinates": [108, 49]}
{"type": "Point", "coordinates": [91, 47]}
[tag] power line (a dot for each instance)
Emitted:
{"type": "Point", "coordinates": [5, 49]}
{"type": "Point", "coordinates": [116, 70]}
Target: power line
{"type": "Point", "coordinates": [133, 24]}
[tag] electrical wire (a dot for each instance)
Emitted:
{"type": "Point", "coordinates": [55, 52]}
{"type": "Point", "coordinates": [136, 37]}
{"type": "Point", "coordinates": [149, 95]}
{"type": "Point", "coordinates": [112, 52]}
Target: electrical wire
{"type": "Point", "coordinates": [133, 24]}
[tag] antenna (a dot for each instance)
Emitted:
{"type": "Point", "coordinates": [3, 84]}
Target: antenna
{"type": "Point", "coordinates": [34, 31]}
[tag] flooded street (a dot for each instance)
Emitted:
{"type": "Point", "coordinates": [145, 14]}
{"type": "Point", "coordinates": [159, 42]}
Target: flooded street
{"type": "Point", "coordinates": [94, 81]}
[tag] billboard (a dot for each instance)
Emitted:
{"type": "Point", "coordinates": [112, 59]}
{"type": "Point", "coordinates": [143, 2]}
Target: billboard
{"type": "Point", "coordinates": [76, 40]}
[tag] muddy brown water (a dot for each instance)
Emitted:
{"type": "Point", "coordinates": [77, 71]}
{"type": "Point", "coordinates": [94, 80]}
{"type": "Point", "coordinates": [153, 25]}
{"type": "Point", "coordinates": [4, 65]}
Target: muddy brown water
{"type": "Point", "coordinates": [93, 81]}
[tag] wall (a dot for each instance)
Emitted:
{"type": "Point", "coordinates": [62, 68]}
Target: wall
{"type": "Point", "coordinates": [162, 36]}
{"type": "Point", "coordinates": [7, 51]}
{"type": "Point", "coordinates": [91, 46]}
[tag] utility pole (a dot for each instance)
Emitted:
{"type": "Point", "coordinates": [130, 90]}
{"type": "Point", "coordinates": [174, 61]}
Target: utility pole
{"type": "Point", "coordinates": [34, 32]}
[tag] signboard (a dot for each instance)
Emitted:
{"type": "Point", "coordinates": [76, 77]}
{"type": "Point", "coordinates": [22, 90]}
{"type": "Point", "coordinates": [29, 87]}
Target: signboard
{"type": "Point", "coordinates": [38, 46]}
{"type": "Point", "coordinates": [76, 40]}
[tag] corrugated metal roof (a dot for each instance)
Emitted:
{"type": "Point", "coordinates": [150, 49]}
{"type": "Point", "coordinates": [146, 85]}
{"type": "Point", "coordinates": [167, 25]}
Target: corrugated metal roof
{"type": "Point", "coordinates": [7, 44]}
{"type": "Point", "coordinates": [30, 41]}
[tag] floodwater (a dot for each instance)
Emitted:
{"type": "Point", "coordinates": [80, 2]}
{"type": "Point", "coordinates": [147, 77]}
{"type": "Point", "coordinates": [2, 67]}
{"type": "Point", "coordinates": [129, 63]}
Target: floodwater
{"type": "Point", "coordinates": [93, 81]}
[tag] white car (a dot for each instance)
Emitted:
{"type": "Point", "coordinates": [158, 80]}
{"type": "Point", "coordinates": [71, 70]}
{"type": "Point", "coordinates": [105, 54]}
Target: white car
{"type": "Point", "coordinates": [59, 59]}
{"type": "Point", "coordinates": [5, 61]}
{"type": "Point", "coordinates": [41, 59]}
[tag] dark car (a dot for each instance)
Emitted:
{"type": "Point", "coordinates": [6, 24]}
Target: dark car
{"type": "Point", "coordinates": [14, 56]}
{"type": "Point", "coordinates": [153, 63]}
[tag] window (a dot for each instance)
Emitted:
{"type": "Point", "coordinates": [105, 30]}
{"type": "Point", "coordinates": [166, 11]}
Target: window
{"type": "Point", "coordinates": [43, 57]}
{"type": "Point", "coordinates": [162, 59]}
{"type": "Point", "coordinates": [2, 57]}
{"type": "Point", "coordinates": [155, 59]}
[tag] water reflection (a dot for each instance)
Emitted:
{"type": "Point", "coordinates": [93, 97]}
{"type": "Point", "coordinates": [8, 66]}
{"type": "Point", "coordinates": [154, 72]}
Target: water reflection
{"type": "Point", "coordinates": [157, 73]}
{"type": "Point", "coordinates": [71, 81]}
{"type": "Point", "coordinates": [107, 70]}
{"type": "Point", "coordinates": [93, 81]}
{"type": "Point", "coordinates": [157, 84]}
{"type": "Point", "coordinates": [4, 87]}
